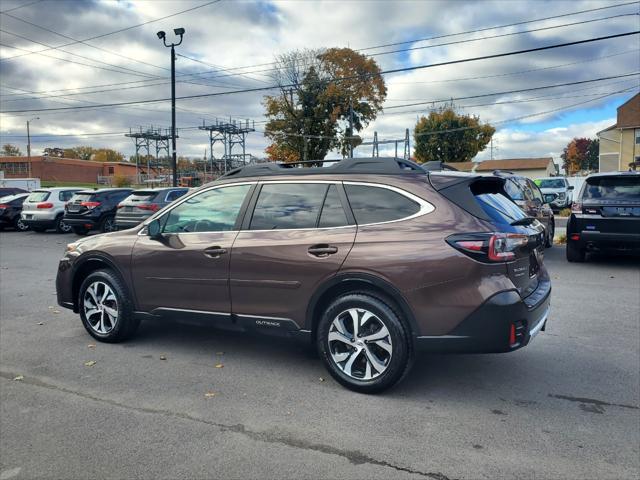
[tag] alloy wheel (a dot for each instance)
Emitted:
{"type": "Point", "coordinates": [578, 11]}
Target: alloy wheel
{"type": "Point", "coordinates": [360, 344]}
{"type": "Point", "coordinates": [21, 225]}
{"type": "Point", "coordinates": [100, 307]}
{"type": "Point", "coordinates": [65, 227]}
{"type": "Point", "coordinates": [109, 225]}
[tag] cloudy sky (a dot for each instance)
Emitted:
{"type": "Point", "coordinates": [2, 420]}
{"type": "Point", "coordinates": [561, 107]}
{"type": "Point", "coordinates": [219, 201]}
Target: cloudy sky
{"type": "Point", "coordinates": [56, 54]}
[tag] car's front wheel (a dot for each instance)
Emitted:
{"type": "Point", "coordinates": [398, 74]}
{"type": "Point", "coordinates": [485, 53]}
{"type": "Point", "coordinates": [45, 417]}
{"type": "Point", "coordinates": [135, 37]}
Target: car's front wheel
{"type": "Point", "coordinates": [363, 343]}
{"type": "Point", "coordinates": [550, 235]}
{"type": "Point", "coordinates": [20, 225]}
{"type": "Point", "coordinates": [61, 226]}
{"type": "Point", "coordinates": [106, 308]}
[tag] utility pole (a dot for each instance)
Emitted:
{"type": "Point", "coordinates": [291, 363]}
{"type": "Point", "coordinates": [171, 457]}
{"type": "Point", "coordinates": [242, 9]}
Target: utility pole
{"type": "Point", "coordinates": [162, 36]}
{"type": "Point", "coordinates": [350, 129]}
{"type": "Point", "coordinates": [29, 144]}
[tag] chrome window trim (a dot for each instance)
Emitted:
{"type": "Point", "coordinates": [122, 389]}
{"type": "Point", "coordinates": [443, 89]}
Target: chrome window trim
{"type": "Point", "coordinates": [425, 207]}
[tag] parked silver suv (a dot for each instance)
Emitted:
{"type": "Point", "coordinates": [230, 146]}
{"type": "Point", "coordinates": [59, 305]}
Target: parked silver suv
{"type": "Point", "coordinates": [557, 192]}
{"type": "Point", "coordinates": [44, 208]}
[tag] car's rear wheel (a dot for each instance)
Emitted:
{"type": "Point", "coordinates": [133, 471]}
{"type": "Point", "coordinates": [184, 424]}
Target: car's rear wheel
{"type": "Point", "coordinates": [108, 224]}
{"type": "Point", "coordinates": [550, 234]}
{"type": "Point", "coordinates": [575, 254]}
{"type": "Point", "coordinates": [61, 226]}
{"type": "Point", "coordinates": [363, 343]}
{"type": "Point", "coordinates": [20, 225]}
{"type": "Point", "coordinates": [106, 308]}
{"type": "Point", "coordinates": [79, 230]}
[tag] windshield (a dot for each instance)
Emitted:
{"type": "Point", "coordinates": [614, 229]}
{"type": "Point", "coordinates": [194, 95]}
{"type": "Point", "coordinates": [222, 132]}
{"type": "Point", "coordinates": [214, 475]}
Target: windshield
{"type": "Point", "coordinates": [613, 188]}
{"type": "Point", "coordinates": [38, 196]}
{"type": "Point", "coordinates": [550, 183]}
{"type": "Point", "coordinates": [142, 195]}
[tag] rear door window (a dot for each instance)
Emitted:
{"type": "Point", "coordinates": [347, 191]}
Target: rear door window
{"type": "Point", "coordinates": [288, 206]}
{"type": "Point", "coordinates": [38, 196]}
{"type": "Point", "coordinates": [537, 194]}
{"type": "Point", "coordinates": [499, 208]}
{"type": "Point", "coordinates": [613, 188]}
{"type": "Point", "coordinates": [513, 190]}
{"type": "Point", "coordinates": [371, 204]}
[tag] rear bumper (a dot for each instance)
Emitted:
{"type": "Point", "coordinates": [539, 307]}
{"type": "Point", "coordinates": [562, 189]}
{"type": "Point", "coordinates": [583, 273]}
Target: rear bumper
{"type": "Point", "coordinates": [42, 223]}
{"type": "Point", "coordinates": [487, 329]}
{"type": "Point", "coordinates": [594, 241]}
{"type": "Point", "coordinates": [79, 221]}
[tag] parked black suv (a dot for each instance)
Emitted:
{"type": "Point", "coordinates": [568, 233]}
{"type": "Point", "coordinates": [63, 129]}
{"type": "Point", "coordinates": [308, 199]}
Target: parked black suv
{"type": "Point", "coordinates": [606, 216]}
{"type": "Point", "coordinates": [94, 209]}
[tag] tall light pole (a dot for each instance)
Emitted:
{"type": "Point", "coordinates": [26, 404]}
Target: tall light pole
{"type": "Point", "coordinates": [29, 144]}
{"type": "Point", "coordinates": [162, 36]}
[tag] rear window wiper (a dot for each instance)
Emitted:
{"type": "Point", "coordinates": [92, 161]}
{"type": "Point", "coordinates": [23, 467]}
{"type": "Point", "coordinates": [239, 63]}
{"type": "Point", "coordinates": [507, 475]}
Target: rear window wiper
{"type": "Point", "coordinates": [523, 221]}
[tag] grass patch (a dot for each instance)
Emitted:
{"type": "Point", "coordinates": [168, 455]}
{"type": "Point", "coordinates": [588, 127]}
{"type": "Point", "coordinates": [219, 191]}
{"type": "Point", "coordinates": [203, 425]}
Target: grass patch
{"type": "Point", "coordinates": [561, 239]}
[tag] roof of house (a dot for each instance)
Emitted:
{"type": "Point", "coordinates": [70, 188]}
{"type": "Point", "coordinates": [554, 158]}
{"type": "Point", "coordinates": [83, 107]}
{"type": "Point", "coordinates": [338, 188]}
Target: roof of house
{"type": "Point", "coordinates": [615, 125]}
{"type": "Point", "coordinates": [504, 164]}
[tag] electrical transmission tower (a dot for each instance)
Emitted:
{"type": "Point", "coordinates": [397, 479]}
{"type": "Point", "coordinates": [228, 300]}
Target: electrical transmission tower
{"type": "Point", "coordinates": [144, 139]}
{"type": "Point", "coordinates": [376, 145]}
{"type": "Point", "coordinates": [232, 135]}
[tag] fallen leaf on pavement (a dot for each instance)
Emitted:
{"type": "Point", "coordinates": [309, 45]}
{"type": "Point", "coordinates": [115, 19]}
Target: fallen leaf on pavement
{"type": "Point", "coordinates": [18, 378]}
{"type": "Point", "coordinates": [90, 363]}
{"type": "Point", "coordinates": [210, 394]}
{"type": "Point", "coordinates": [40, 323]}
{"type": "Point", "coordinates": [219, 365]}
{"type": "Point", "coordinates": [321, 379]}
{"type": "Point", "coordinates": [56, 311]}
{"type": "Point", "coordinates": [50, 307]}
{"type": "Point", "coordinates": [163, 357]}
{"type": "Point", "coordinates": [91, 345]}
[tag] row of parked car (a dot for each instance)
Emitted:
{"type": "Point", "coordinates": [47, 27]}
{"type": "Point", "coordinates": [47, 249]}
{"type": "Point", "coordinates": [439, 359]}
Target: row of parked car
{"type": "Point", "coordinates": [67, 209]}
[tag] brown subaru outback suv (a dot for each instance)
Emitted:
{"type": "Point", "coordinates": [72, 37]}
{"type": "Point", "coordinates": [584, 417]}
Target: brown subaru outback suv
{"type": "Point", "coordinates": [368, 259]}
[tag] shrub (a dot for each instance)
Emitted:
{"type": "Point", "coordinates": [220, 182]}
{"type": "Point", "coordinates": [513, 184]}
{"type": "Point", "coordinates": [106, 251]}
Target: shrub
{"type": "Point", "coordinates": [121, 181]}
{"type": "Point", "coordinates": [565, 212]}
{"type": "Point", "coordinates": [561, 239]}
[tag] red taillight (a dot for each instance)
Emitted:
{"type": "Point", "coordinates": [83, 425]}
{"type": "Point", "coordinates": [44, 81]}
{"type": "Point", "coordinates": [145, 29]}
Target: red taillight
{"type": "Point", "coordinates": [4, 205]}
{"type": "Point", "coordinates": [90, 205]}
{"type": "Point", "coordinates": [575, 237]}
{"type": "Point", "coordinates": [45, 205]}
{"type": "Point", "coordinates": [502, 246]}
{"type": "Point", "coordinates": [154, 207]}
{"type": "Point", "coordinates": [576, 208]}
{"type": "Point", "coordinates": [512, 335]}
{"type": "Point", "coordinates": [120, 205]}
{"type": "Point", "coordinates": [494, 247]}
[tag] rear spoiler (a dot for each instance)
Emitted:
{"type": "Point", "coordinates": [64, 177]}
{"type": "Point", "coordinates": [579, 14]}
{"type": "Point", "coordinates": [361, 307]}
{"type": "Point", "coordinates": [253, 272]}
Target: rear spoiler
{"type": "Point", "coordinates": [462, 188]}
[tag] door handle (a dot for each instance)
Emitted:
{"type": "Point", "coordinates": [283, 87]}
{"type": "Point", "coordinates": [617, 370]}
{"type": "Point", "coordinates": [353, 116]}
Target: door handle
{"type": "Point", "coordinates": [214, 252]}
{"type": "Point", "coordinates": [322, 250]}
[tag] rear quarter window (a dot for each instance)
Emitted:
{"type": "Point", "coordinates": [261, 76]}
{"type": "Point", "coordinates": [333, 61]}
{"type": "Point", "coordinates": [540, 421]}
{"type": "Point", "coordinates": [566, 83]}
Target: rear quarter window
{"type": "Point", "coordinates": [499, 208]}
{"type": "Point", "coordinates": [371, 204]}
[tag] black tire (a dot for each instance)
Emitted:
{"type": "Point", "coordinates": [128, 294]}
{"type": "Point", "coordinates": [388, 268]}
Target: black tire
{"type": "Point", "coordinates": [62, 227]}
{"type": "Point", "coordinates": [549, 240]}
{"type": "Point", "coordinates": [126, 324]}
{"type": "Point", "coordinates": [108, 224]}
{"type": "Point", "coordinates": [80, 230]}
{"type": "Point", "coordinates": [397, 365]}
{"type": "Point", "coordinates": [575, 254]}
{"type": "Point", "coordinates": [19, 225]}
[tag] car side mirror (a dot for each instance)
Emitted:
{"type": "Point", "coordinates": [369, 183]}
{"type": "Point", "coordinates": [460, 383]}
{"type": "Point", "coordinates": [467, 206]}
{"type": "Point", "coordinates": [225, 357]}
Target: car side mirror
{"type": "Point", "coordinates": [570, 187]}
{"type": "Point", "coordinates": [154, 229]}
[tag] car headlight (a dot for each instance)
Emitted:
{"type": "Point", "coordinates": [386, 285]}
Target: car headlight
{"type": "Point", "coordinates": [561, 195]}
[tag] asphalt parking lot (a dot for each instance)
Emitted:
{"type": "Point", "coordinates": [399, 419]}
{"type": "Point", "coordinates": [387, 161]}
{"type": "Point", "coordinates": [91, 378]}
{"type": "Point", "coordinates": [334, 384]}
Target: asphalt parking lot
{"type": "Point", "coordinates": [567, 406]}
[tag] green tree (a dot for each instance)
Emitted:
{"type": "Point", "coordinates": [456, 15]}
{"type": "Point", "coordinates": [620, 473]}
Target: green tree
{"type": "Point", "coordinates": [81, 152]}
{"type": "Point", "coordinates": [107, 155]}
{"type": "Point", "coordinates": [321, 92]}
{"type": "Point", "coordinates": [9, 150]}
{"type": "Point", "coordinates": [449, 137]}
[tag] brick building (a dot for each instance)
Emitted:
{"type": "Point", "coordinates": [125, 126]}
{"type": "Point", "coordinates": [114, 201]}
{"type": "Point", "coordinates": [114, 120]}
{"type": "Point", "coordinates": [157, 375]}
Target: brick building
{"type": "Point", "coordinates": [54, 169]}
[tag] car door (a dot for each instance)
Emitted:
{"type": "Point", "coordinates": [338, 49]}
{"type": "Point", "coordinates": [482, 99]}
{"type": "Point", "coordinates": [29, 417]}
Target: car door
{"type": "Point", "coordinates": [297, 236]}
{"type": "Point", "coordinates": [186, 270]}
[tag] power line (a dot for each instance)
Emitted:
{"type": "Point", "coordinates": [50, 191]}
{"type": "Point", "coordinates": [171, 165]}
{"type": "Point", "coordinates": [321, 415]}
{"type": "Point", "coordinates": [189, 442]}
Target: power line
{"type": "Point", "coordinates": [21, 6]}
{"type": "Point", "coordinates": [384, 72]}
{"type": "Point", "coordinates": [120, 30]}
{"type": "Point", "coordinates": [484, 29]}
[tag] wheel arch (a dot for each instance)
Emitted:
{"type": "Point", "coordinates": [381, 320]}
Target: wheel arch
{"type": "Point", "coordinates": [358, 282]}
{"type": "Point", "coordinates": [88, 264]}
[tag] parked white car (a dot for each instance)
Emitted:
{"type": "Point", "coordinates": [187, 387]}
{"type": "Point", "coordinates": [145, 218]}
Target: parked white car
{"type": "Point", "coordinates": [44, 208]}
{"type": "Point", "coordinates": [557, 192]}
